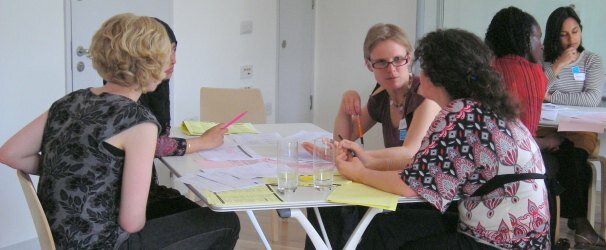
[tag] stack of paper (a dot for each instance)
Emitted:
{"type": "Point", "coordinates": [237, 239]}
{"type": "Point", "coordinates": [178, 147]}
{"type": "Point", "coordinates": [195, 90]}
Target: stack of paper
{"type": "Point", "coordinates": [195, 128]}
{"type": "Point", "coordinates": [360, 194]}
{"type": "Point", "coordinates": [231, 178]}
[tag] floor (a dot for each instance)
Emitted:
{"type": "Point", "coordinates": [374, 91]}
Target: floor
{"type": "Point", "coordinates": [289, 234]}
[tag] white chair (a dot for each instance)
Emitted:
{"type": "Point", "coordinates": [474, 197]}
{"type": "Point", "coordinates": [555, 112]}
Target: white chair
{"type": "Point", "coordinates": [45, 237]}
{"type": "Point", "coordinates": [222, 104]}
{"type": "Point", "coordinates": [593, 158]}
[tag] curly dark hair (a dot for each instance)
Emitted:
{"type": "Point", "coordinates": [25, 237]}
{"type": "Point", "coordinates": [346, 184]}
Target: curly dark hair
{"type": "Point", "coordinates": [461, 63]}
{"type": "Point", "coordinates": [553, 46]}
{"type": "Point", "coordinates": [509, 32]}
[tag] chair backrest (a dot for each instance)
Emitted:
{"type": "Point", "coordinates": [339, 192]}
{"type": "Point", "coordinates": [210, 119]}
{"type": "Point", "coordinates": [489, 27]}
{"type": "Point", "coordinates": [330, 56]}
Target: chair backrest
{"type": "Point", "coordinates": [45, 237]}
{"type": "Point", "coordinates": [223, 104]}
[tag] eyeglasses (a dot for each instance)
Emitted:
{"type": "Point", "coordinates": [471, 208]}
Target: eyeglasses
{"type": "Point", "coordinates": [397, 62]}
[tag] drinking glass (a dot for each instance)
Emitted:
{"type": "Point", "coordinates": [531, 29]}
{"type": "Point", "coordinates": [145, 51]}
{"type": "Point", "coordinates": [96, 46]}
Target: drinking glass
{"type": "Point", "coordinates": [287, 168]}
{"type": "Point", "coordinates": [323, 163]}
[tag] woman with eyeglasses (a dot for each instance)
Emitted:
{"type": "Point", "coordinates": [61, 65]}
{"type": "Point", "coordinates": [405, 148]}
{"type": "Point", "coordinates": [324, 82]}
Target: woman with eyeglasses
{"type": "Point", "coordinates": [393, 103]}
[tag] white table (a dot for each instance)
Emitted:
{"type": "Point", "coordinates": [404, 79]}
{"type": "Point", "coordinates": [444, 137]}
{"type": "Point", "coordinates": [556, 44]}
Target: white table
{"type": "Point", "coordinates": [303, 197]}
{"type": "Point", "coordinates": [555, 123]}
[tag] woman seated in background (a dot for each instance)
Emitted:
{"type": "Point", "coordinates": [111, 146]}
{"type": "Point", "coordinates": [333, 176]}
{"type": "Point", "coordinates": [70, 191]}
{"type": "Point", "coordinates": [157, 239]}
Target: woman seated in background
{"type": "Point", "coordinates": [393, 103]}
{"type": "Point", "coordinates": [94, 149]}
{"type": "Point", "coordinates": [475, 142]}
{"type": "Point", "coordinates": [162, 200]}
{"type": "Point", "coordinates": [575, 78]}
{"type": "Point", "coordinates": [514, 36]}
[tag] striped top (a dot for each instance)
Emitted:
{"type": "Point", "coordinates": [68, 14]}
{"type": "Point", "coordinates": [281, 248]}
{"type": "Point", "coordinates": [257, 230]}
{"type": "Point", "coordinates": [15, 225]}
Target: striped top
{"type": "Point", "coordinates": [568, 91]}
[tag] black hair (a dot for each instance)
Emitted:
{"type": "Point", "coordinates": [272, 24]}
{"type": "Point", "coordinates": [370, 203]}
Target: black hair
{"type": "Point", "coordinates": [461, 63]}
{"type": "Point", "coordinates": [159, 100]}
{"type": "Point", "coordinates": [509, 32]}
{"type": "Point", "coordinates": [169, 31]}
{"type": "Point", "coordinates": [553, 46]}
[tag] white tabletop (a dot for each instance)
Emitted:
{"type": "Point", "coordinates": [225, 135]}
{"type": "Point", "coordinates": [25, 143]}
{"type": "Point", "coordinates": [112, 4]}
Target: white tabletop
{"type": "Point", "coordinates": [301, 198]}
{"type": "Point", "coordinates": [554, 123]}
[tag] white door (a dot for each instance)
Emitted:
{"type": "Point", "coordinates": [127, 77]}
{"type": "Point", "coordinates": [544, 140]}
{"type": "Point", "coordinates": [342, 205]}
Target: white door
{"type": "Point", "coordinates": [295, 61]}
{"type": "Point", "coordinates": [84, 17]}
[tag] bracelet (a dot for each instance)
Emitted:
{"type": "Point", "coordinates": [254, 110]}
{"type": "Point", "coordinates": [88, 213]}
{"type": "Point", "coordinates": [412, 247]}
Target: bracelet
{"type": "Point", "coordinates": [188, 145]}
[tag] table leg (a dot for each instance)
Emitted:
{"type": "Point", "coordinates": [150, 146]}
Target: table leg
{"type": "Point", "coordinates": [322, 227]}
{"type": "Point", "coordinates": [355, 237]}
{"type": "Point", "coordinates": [255, 223]}
{"type": "Point", "coordinates": [309, 229]}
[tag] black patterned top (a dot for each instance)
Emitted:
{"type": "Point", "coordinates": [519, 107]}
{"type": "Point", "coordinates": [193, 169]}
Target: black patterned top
{"type": "Point", "coordinates": [466, 146]}
{"type": "Point", "coordinates": [80, 174]}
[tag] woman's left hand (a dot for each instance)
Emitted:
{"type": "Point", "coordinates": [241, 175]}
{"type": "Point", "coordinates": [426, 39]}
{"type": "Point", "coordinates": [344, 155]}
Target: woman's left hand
{"type": "Point", "coordinates": [350, 167]}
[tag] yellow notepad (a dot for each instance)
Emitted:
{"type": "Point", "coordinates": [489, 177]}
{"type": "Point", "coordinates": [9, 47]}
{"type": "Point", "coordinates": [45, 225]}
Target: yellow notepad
{"type": "Point", "coordinates": [255, 195]}
{"type": "Point", "coordinates": [195, 128]}
{"type": "Point", "coordinates": [360, 194]}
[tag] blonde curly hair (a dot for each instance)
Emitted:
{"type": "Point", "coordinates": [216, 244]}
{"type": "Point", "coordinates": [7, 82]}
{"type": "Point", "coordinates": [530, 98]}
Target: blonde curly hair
{"type": "Point", "coordinates": [131, 51]}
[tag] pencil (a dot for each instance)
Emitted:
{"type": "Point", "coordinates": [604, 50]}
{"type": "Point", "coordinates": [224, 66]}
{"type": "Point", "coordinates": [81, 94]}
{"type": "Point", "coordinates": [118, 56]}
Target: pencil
{"type": "Point", "coordinates": [235, 119]}
{"type": "Point", "coordinates": [360, 132]}
{"type": "Point", "coordinates": [351, 152]}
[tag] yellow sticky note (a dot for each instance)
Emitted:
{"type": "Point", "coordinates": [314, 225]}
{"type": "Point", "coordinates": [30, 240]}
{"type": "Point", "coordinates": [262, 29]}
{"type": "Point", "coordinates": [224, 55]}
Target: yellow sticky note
{"type": "Point", "coordinates": [195, 128]}
{"type": "Point", "coordinates": [360, 194]}
{"type": "Point", "coordinates": [255, 195]}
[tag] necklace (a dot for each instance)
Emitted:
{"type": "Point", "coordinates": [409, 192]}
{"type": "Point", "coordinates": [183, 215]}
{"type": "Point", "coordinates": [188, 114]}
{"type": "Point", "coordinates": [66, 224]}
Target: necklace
{"type": "Point", "coordinates": [399, 106]}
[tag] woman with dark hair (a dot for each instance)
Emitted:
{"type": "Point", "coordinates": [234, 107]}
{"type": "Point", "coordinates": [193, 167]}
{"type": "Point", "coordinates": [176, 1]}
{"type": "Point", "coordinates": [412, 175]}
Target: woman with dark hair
{"type": "Point", "coordinates": [575, 75]}
{"type": "Point", "coordinates": [514, 36]}
{"type": "Point", "coordinates": [475, 149]}
{"type": "Point", "coordinates": [163, 200]}
{"type": "Point", "coordinates": [575, 78]}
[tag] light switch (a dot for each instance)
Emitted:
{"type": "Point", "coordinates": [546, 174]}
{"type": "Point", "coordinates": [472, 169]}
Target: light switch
{"type": "Point", "coordinates": [246, 27]}
{"type": "Point", "coordinates": [246, 71]}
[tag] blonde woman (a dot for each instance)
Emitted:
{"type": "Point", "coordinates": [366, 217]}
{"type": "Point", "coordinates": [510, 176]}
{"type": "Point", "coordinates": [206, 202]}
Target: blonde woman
{"type": "Point", "coordinates": [94, 148]}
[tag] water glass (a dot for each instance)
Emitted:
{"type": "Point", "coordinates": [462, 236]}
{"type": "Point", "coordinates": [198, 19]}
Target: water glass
{"type": "Point", "coordinates": [287, 168]}
{"type": "Point", "coordinates": [324, 163]}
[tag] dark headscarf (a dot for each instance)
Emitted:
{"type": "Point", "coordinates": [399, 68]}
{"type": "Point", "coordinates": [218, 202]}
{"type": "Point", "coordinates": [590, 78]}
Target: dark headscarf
{"type": "Point", "coordinates": [159, 100]}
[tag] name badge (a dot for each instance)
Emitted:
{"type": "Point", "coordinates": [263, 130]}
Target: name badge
{"type": "Point", "coordinates": [403, 127]}
{"type": "Point", "coordinates": [577, 74]}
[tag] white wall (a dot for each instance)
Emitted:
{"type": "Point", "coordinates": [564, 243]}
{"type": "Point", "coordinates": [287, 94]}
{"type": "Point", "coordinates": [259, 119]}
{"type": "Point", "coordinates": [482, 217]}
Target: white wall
{"type": "Point", "coordinates": [341, 27]}
{"type": "Point", "coordinates": [211, 50]}
{"type": "Point", "coordinates": [32, 75]}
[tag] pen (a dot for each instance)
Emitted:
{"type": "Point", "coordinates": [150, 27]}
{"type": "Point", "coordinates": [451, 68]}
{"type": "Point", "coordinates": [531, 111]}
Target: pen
{"type": "Point", "coordinates": [235, 119]}
{"type": "Point", "coordinates": [360, 132]}
{"type": "Point", "coordinates": [351, 152]}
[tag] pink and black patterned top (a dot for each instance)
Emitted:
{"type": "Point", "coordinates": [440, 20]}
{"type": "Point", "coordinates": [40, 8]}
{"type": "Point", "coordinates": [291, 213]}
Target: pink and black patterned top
{"type": "Point", "coordinates": [466, 146]}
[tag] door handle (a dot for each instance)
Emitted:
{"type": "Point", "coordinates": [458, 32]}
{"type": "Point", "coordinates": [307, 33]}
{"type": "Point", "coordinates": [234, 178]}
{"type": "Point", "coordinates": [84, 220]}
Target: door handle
{"type": "Point", "coordinates": [81, 51]}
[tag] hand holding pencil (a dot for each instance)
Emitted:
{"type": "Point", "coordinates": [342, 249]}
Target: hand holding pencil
{"type": "Point", "coordinates": [360, 131]}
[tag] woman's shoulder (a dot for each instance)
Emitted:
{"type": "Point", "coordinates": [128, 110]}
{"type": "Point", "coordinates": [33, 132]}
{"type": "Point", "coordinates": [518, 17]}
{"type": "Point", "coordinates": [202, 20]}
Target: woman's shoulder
{"type": "Point", "coordinates": [378, 90]}
{"type": "Point", "coordinates": [590, 57]}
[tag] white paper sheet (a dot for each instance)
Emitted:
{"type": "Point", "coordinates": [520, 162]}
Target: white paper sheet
{"type": "Point", "coordinates": [257, 139]}
{"type": "Point", "coordinates": [230, 153]}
